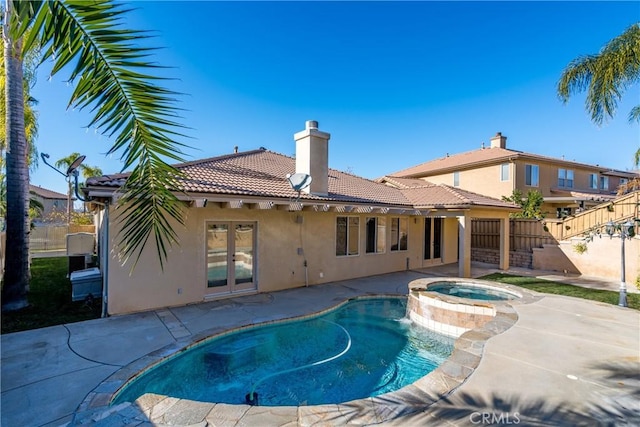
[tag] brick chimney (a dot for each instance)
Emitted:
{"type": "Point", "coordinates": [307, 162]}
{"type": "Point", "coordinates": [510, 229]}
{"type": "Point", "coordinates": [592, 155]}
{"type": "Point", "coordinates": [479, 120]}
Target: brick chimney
{"type": "Point", "coordinates": [499, 141]}
{"type": "Point", "coordinates": [312, 157]}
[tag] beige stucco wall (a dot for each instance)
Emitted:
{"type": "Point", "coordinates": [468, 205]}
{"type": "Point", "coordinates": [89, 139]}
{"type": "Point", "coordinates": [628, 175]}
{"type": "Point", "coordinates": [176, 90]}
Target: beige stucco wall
{"type": "Point", "coordinates": [483, 180]}
{"type": "Point", "coordinates": [549, 177]}
{"type": "Point", "coordinates": [279, 266]}
{"type": "Point", "coordinates": [486, 180]}
{"type": "Point", "coordinates": [602, 258]}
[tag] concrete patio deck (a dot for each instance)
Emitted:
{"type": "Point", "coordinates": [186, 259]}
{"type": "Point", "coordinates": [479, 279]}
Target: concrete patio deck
{"type": "Point", "coordinates": [566, 361]}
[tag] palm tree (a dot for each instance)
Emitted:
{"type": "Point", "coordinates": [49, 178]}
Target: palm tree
{"type": "Point", "coordinates": [31, 127]}
{"type": "Point", "coordinates": [606, 76]}
{"type": "Point", "coordinates": [108, 70]}
{"type": "Point", "coordinates": [16, 275]}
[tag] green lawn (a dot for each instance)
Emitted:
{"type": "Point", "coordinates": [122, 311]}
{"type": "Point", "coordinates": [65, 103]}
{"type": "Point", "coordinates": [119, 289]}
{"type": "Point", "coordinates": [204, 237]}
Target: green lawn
{"type": "Point", "coordinates": [49, 299]}
{"type": "Point", "coordinates": [549, 287]}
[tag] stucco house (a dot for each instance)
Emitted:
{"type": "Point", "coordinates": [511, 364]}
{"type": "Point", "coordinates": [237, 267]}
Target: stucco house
{"type": "Point", "coordinates": [51, 201]}
{"type": "Point", "coordinates": [567, 186]}
{"type": "Point", "coordinates": [248, 231]}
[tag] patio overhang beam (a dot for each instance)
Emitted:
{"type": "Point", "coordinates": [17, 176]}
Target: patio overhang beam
{"type": "Point", "coordinates": [224, 202]}
{"type": "Point", "coordinates": [316, 207]}
{"type": "Point", "coordinates": [266, 205]}
{"type": "Point", "coordinates": [234, 204]}
{"type": "Point", "coordinates": [289, 207]}
{"type": "Point", "coordinates": [342, 208]}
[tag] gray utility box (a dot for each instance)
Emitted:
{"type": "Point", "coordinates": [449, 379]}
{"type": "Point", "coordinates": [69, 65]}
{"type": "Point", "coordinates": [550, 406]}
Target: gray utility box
{"type": "Point", "coordinates": [86, 282]}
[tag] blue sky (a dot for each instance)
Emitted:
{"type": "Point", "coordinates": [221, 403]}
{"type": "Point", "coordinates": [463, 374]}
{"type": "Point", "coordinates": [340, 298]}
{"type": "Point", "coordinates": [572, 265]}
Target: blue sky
{"type": "Point", "coordinates": [396, 84]}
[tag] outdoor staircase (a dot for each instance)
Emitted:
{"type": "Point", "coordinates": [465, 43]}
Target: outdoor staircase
{"type": "Point", "coordinates": [619, 210]}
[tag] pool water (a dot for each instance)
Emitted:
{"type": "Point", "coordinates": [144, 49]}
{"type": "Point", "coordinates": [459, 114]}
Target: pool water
{"type": "Point", "coordinates": [363, 348]}
{"type": "Point", "coordinates": [464, 290]}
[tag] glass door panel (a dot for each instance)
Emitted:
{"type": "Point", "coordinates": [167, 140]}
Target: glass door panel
{"type": "Point", "coordinates": [243, 255]}
{"type": "Point", "coordinates": [437, 238]}
{"type": "Point", "coordinates": [217, 256]}
{"type": "Point", "coordinates": [432, 240]}
{"type": "Point", "coordinates": [427, 238]}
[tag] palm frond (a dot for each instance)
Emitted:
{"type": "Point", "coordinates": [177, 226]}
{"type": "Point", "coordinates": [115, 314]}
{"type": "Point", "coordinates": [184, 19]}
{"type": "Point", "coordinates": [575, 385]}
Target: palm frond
{"type": "Point", "coordinates": [110, 72]}
{"type": "Point", "coordinates": [605, 76]}
{"type": "Point", "coordinates": [634, 114]}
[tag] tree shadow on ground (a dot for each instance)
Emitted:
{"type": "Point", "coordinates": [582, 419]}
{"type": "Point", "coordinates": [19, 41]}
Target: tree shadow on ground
{"type": "Point", "coordinates": [618, 404]}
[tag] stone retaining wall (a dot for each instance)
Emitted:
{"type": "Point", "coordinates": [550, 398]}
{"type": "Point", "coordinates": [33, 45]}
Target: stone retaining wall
{"type": "Point", "coordinates": [492, 256]}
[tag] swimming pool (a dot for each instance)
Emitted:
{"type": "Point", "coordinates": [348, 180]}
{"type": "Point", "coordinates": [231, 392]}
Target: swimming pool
{"type": "Point", "coordinates": [471, 291]}
{"type": "Point", "coordinates": [363, 348]}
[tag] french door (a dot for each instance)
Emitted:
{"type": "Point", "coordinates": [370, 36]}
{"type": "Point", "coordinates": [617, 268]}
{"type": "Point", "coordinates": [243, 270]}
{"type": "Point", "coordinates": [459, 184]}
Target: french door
{"type": "Point", "coordinates": [432, 240]}
{"type": "Point", "coordinates": [230, 257]}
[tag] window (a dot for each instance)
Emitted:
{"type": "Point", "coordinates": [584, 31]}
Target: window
{"type": "Point", "coordinates": [623, 181]}
{"type": "Point", "coordinates": [347, 235]}
{"type": "Point", "coordinates": [399, 234]}
{"type": "Point", "coordinates": [456, 179]}
{"type": "Point", "coordinates": [531, 175]}
{"type": "Point", "coordinates": [376, 235]}
{"type": "Point", "coordinates": [604, 182]}
{"type": "Point", "coordinates": [593, 181]}
{"type": "Point", "coordinates": [563, 212]}
{"type": "Point", "coordinates": [565, 178]}
{"type": "Point", "coordinates": [504, 172]}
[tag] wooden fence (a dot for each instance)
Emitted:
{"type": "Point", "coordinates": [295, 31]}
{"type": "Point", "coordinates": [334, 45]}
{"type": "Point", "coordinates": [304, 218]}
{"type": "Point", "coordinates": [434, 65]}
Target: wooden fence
{"type": "Point", "coordinates": [524, 234]}
{"type": "Point", "coordinates": [54, 237]}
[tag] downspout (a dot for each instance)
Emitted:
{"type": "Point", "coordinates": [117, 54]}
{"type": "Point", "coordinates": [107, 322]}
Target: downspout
{"type": "Point", "coordinates": [105, 258]}
{"type": "Point", "coordinates": [104, 249]}
{"type": "Point", "coordinates": [104, 255]}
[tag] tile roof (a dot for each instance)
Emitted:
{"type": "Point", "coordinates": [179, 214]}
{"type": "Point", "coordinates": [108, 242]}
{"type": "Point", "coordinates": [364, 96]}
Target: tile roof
{"type": "Point", "coordinates": [424, 194]}
{"type": "Point", "coordinates": [45, 193]}
{"type": "Point", "coordinates": [481, 156]}
{"type": "Point", "coordinates": [262, 173]}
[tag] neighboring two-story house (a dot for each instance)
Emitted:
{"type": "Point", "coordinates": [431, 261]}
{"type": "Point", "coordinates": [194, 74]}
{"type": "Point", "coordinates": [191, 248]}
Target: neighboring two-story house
{"type": "Point", "coordinates": [567, 186]}
{"type": "Point", "coordinates": [51, 201]}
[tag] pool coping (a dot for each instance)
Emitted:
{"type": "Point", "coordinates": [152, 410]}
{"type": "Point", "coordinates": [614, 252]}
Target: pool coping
{"type": "Point", "coordinates": [416, 397]}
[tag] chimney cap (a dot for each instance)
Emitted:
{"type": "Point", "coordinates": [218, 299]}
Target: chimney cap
{"type": "Point", "coordinates": [311, 124]}
{"type": "Point", "coordinates": [499, 141]}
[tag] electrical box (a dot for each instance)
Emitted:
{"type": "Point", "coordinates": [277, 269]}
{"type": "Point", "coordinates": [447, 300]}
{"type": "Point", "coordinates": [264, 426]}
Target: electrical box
{"type": "Point", "coordinates": [86, 282]}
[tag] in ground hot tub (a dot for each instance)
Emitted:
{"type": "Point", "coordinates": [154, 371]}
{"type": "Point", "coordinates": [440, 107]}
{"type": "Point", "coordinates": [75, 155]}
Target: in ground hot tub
{"type": "Point", "coordinates": [454, 306]}
{"type": "Point", "coordinates": [471, 290]}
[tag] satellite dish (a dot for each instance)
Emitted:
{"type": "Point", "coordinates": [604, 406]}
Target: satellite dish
{"type": "Point", "coordinates": [75, 164]}
{"type": "Point", "coordinates": [299, 181]}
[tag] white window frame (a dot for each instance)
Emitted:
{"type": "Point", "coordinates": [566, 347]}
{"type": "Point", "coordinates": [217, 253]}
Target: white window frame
{"type": "Point", "coordinates": [530, 167]}
{"type": "Point", "coordinates": [456, 179]}
{"type": "Point", "coordinates": [348, 235]}
{"type": "Point", "coordinates": [604, 182]}
{"type": "Point", "coordinates": [396, 241]}
{"type": "Point", "coordinates": [593, 181]}
{"type": "Point", "coordinates": [379, 237]}
{"type": "Point", "coordinates": [565, 178]}
{"type": "Point", "coordinates": [505, 169]}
